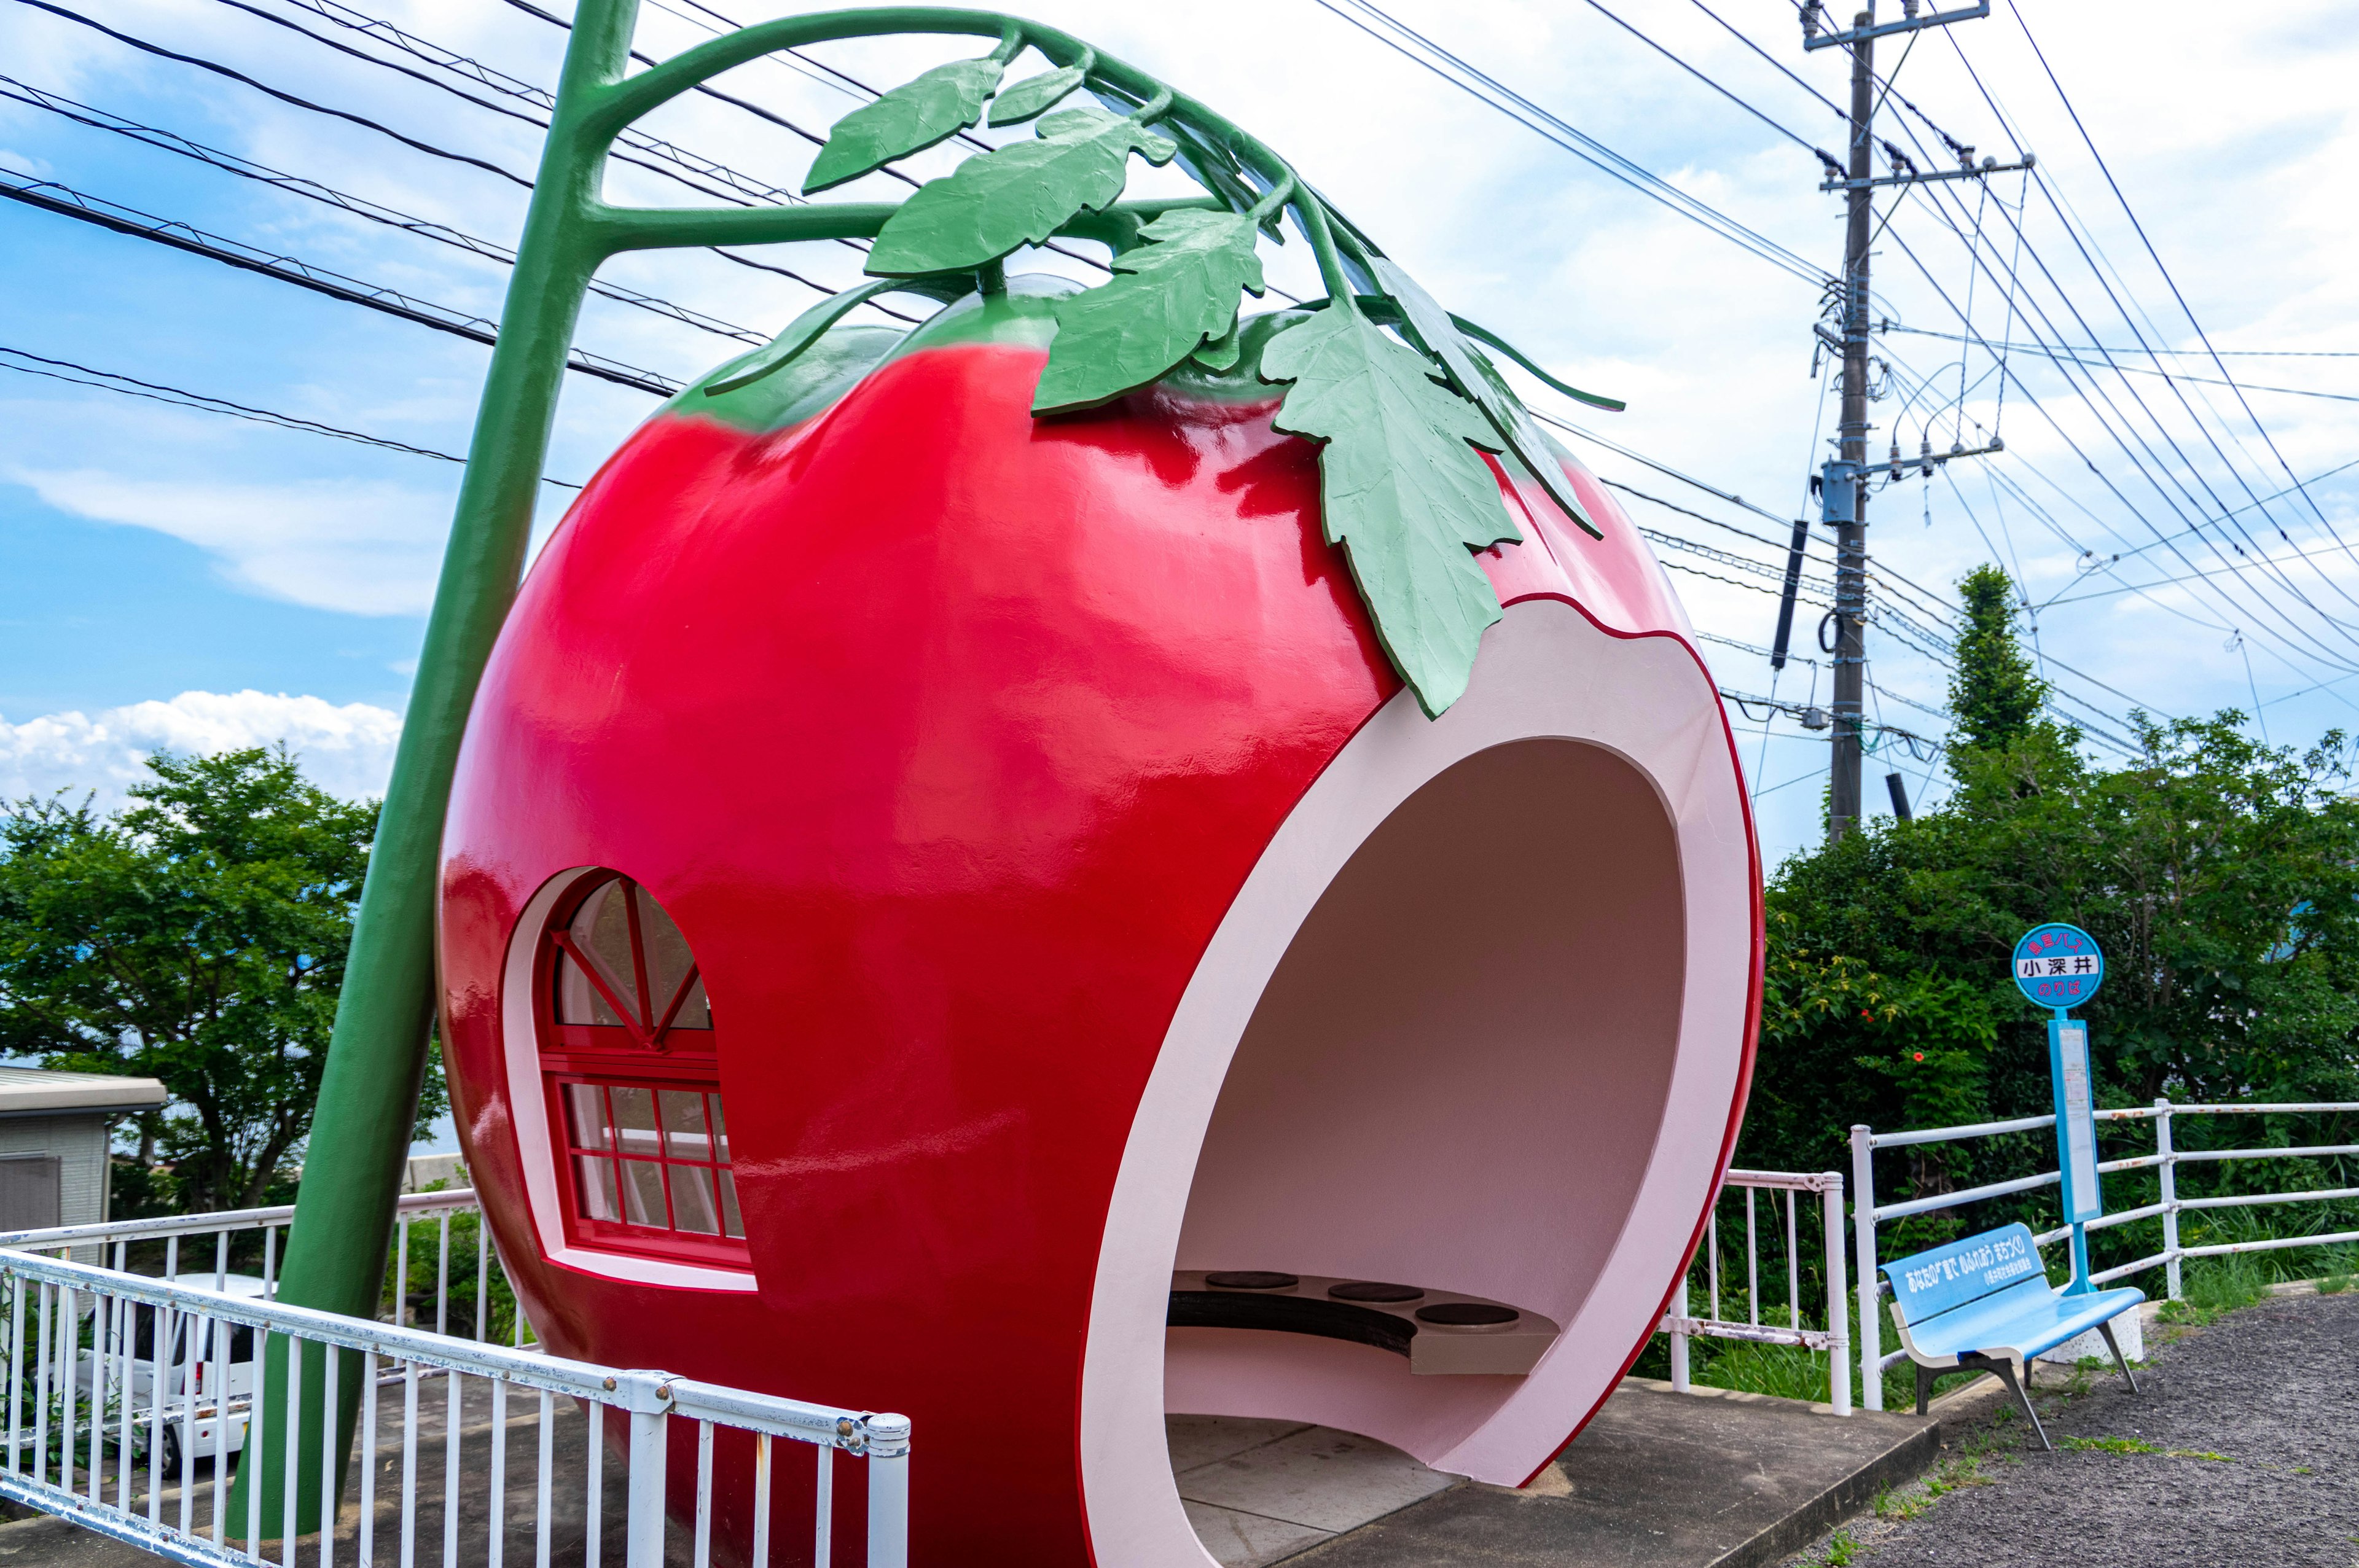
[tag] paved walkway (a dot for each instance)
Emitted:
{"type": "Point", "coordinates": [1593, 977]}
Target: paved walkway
{"type": "Point", "coordinates": [2243, 1449]}
{"type": "Point", "coordinates": [1710, 1479]}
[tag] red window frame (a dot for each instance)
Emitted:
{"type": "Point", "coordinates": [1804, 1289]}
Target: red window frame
{"type": "Point", "coordinates": [647, 1050]}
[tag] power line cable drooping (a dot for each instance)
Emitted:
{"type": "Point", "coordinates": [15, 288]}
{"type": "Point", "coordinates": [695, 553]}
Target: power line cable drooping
{"type": "Point", "coordinates": [78, 374]}
{"type": "Point", "coordinates": [50, 196]}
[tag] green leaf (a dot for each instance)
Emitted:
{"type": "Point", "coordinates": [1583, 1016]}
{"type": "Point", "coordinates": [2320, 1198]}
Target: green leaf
{"type": "Point", "coordinates": [1014, 195]}
{"type": "Point", "coordinates": [1036, 94]}
{"type": "Point", "coordinates": [910, 118]}
{"type": "Point", "coordinates": [1401, 488]}
{"type": "Point", "coordinates": [1168, 297]}
{"type": "Point", "coordinates": [1476, 379]}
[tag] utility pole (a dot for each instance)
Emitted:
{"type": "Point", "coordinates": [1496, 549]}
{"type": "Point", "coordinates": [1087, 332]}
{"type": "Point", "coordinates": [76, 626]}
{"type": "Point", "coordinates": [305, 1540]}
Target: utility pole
{"type": "Point", "coordinates": [1843, 481]}
{"type": "Point", "coordinates": [1842, 490]}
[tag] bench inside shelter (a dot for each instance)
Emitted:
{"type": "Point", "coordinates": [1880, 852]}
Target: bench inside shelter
{"type": "Point", "coordinates": [1984, 1303]}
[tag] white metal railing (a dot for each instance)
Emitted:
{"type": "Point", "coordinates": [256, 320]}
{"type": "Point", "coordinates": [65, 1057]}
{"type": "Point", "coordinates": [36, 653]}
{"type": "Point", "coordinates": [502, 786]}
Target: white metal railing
{"type": "Point", "coordinates": [1834, 1339]}
{"type": "Point", "coordinates": [172, 1230]}
{"type": "Point", "coordinates": [112, 1374]}
{"type": "Point", "coordinates": [2165, 1161]}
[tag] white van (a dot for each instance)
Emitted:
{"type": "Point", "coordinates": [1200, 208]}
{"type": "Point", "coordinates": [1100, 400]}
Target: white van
{"type": "Point", "coordinates": [188, 1367]}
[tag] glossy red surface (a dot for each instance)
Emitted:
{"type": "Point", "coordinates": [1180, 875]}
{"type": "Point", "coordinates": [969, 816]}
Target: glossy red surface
{"type": "Point", "coordinates": [947, 737]}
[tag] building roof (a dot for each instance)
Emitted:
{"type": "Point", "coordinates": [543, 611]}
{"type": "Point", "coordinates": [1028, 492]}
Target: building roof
{"type": "Point", "coordinates": [37, 1091]}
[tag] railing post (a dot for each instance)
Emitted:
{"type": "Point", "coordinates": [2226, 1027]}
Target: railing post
{"type": "Point", "coordinates": [1680, 1340]}
{"type": "Point", "coordinates": [1838, 1335]}
{"type": "Point", "coordinates": [1863, 1209]}
{"type": "Point", "coordinates": [2170, 1169]}
{"type": "Point", "coordinates": [888, 1491]}
{"type": "Point", "coordinates": [651, 1408]}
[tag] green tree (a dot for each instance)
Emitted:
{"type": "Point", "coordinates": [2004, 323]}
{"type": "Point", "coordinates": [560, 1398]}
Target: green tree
{"type": "Point", "coordinates": [2220, 875]}
{"type": "Point", "coordinates": [1995, 697]}
{"type": "Point", "coordinates": [198, 937]}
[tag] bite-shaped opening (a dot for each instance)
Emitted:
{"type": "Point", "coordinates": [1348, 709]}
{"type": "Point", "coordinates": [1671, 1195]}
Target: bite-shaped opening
{"type": "Point", "coordinates": [1452, 1086]}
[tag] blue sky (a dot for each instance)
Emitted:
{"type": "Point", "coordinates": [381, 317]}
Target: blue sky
{"type": "Point", "coordinates": [177, 577]}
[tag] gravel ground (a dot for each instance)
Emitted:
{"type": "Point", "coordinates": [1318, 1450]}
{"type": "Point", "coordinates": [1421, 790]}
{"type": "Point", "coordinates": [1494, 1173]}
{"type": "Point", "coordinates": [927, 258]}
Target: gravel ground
{"type": "Point", "coordinates": [2258, 1418]}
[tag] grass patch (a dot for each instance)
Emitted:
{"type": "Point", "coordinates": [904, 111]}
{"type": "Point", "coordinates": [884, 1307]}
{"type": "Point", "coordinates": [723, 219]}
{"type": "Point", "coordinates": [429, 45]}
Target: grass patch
{"type": "Point", "coordinates": [2138, 1445]}
{"type": "Point", "coordinates": [2109, 1444]}
{"type": "Point", "coordinates": [2216, 1287]}
{"type": "Point", "coordinates": [1840, 1550]}
{"type": "Point", "coordinates": [1918, 1498]}
{"type": "Point", "coordinates": [2335, 1284]}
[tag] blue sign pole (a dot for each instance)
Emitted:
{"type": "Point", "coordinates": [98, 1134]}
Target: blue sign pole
{"type": "Point", "coordinates": [2060, 966]}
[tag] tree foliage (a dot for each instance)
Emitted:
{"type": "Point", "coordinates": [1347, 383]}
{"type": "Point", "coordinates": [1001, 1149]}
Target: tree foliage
{"type": "Point", "coordinates": [2220, 875]}
{"type": "Point", "coordinates": [1995, 696]}
{"type": "Point", "coordinates": [197, 937]}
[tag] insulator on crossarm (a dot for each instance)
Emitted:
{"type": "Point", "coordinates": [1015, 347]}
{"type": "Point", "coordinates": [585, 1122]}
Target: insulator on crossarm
{"type": "Point", "coordinates": [1896, 459]}
{"type": "Point", "coordinates": [1811, 13]}
{"type": "Point", "coordinates": [1925, 459]}
{"type": "Point", "coordinates": [1909, 9]}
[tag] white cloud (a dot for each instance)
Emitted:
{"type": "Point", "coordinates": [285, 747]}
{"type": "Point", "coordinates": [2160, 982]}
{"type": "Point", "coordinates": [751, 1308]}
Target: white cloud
{"type": "Point", "coordinates": [364, 546]}
{"type": "Point", "coordinates": [347, 749]}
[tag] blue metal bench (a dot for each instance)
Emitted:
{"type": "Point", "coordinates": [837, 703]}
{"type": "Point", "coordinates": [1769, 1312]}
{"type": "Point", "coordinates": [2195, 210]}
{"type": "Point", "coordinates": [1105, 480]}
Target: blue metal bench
{"type": "Point", "coordinates": [1984, 1305]}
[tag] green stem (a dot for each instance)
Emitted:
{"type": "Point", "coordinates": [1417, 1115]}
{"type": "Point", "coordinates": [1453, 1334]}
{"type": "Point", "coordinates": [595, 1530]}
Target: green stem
{"type": "Point", "coordinates": [1155, 108]}
{"type": "Point", "coordinates": [376, 1058]}
{"type": "Point", "coordinates": [1310, 216]}
{"type": "Point", "coordinates": [618, 229]}
{"type": "Point", "coordinates": [1276, 198]}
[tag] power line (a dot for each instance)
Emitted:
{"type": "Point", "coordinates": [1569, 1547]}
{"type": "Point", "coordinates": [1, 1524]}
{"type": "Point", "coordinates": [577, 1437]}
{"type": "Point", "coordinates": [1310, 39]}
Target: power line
{"type": "Point", "coordinates": [1778, 544]}
{"type": "Point", "coordinates": [181, 397]}
{"type": "Point", "coordinates": [2105, 354]}
{"type": "Point", "coordinates": [2296, 634]}
{"type": "Point", "coordinates": [2218, 505]}
{"type": "Point", "coordinates": [1795, 137]}
{"type": "Point", "coordinates": [50, 196]}
{"type": "Point", "coordinates": [660, 158]}
{"type": "Point", "coordinates": [1779, 65]}
{"type": "Point", "coordinates": [1392, 32]}
{"type": "Point", "coordinates": [360, 207]}
{"type": "Point", "coordinates": [219, 70]}
{"type": "Point", "coordinates": [2155, 257]}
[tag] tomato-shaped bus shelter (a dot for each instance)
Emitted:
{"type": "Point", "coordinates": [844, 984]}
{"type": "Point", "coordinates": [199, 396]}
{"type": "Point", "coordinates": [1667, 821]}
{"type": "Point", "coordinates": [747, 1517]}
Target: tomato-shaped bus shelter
{"type": "Point", "coordinates": [940, 897]}
{"type": "Point", "coordinates": [925, 887]}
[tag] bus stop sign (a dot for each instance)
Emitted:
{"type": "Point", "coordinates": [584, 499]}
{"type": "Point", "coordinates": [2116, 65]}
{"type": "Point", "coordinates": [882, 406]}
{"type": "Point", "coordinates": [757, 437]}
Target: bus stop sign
{"type": "Point", "coordinates": [2059, 965]}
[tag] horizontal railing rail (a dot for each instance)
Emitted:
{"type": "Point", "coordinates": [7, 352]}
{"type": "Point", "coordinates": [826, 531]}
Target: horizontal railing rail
{"type": "Point", "coordinates": [440, 1209]}
{"type": "Point", "coordinates": [2165, 1161]}
{"type": "Point", "coordinates": [101, 1360]}
{"type": "Point", "coordinates": [1832, 1340]}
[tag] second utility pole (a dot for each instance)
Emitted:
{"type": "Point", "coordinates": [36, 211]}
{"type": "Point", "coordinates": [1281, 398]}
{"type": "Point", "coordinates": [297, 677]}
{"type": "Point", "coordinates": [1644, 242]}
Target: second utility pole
{"type": "Point", "coordinates": [1842, 481]}
{"type": "Point", "coordinates": [1842, 486]}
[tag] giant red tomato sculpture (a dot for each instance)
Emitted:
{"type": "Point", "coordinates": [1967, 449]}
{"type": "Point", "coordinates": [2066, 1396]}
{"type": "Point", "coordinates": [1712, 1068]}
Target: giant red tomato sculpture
{"type": "Point", "coordinates": [926, 884]}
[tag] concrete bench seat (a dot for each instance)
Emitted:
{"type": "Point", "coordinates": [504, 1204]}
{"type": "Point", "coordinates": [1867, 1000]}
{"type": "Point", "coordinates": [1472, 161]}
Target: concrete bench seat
{"type": "Point", "coordinates": [1984, 1303]}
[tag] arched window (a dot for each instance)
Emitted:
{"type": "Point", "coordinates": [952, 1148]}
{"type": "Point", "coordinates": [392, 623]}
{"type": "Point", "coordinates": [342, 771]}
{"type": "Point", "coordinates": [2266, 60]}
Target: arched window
{"type": "Point", "coordinates": [633, 1080]}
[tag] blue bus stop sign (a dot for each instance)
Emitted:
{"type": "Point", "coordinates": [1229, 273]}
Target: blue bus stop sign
{"type": "Point", "coordinates": [2059, 965]}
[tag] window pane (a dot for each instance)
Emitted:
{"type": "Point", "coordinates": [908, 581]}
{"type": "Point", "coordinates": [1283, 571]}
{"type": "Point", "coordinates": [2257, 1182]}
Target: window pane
{"type": "Point", "coordinates": [692, 1201]}
{"type": "Point", "coordinates": [684, 1119]}
{"type": "Point", "coordinates": [731, 1225]}
{"type": "Point", "coordinates": [720, 1130]}
{"type": "Point", "coordinates": [642, 1193]}
{"type": "Point", "coordinates": [669, 961]}
{"type": "Point", "coordinates": [594, 1181]}
{"type": "Point", "coordinates": [602, 928]}
{"type": "Point", "coordinates": [635, 1121]}
{"type": "Point", "coordinates": [578, 1000]}
{"type": "Point", "coordinates": [585, 1115]}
